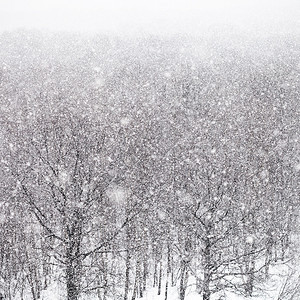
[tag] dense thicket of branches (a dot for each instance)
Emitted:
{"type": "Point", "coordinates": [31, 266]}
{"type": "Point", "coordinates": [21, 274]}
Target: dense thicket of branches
{"type": "Point", "coordinates": [154, 163]}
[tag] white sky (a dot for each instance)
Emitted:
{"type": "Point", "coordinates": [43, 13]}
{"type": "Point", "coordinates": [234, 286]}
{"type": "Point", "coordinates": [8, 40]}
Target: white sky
{"type": "Point", "coordinates": [154, 16]}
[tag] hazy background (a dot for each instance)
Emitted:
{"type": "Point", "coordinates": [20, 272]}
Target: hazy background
{"type": "Point", "coordinates": [155, 16]}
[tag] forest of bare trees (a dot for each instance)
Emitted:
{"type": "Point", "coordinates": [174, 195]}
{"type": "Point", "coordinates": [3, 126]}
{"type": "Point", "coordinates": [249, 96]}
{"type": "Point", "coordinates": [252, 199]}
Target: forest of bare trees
{"type": "Point", "coordinates": [149, 165]}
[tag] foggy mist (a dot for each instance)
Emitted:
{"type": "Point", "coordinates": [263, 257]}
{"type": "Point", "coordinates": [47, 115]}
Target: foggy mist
{"type": "Point", "coordinates": [155, 17]}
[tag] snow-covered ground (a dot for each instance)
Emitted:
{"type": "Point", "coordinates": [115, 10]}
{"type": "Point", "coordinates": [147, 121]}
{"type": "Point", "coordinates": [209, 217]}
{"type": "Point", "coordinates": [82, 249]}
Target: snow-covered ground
{"type": "Point", "coordinates": [282, 276]}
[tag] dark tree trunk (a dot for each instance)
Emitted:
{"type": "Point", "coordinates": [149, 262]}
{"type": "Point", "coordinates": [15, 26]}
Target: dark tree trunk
{"type": "Point", "coordinates": [173, 281]}
{"type": "Point", "coordinates": [168, 271]}
{"type": "Point", "coordinates": [127, 274]}
{"type": "Point", "coordinates": [145, 273]}
{"type": "Point", "coordinates": [250, 268]}
{"type": "Point", "coordinates": [268, 260]}
{"type": "Point", "coordinates": [207, 270]}
{"type": "Point", "coordinates": [105, 275]}
{"type": "Point", "coordinates": [134, 289]}
{"type": "Point", "coordinates": [74, 263]}
{"type": "Point", "coordinates": [140, 279]}
{"type": "Point", "coordinates": [183, 280]}
{"type": "Point", "coordinates": [159, 278]}
{"type": "Point", "coordinates": [72, 281]}
{"type": "Point", "coordinates": [250, 279]}
{"type": "Point", "coordinates": [155, 274]}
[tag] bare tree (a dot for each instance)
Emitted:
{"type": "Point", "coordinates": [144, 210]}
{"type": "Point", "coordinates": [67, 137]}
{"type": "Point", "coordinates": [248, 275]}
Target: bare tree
{"type": "Point", "coordinates": [59, 163]}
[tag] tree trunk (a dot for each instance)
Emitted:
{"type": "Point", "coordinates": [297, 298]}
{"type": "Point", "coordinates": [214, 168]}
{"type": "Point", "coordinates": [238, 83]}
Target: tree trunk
{"type": "Point", "coordinates": [134, 289]}
{"type": "Point", "coordinates": [145, 273]}
{"type": "Point", "coordinates": [207, 270]}
{"type": "Point", "coordinates": [73, 278]}
{"type": "Point", "coordinates": [250, 280]}
{"type": "Point", "coordinates": [155, 274]}
{"type": "Point", "coordinates": [74, 263]}
{"type": "Point", "coordinates": [206, 289]}
{"type": "Point", "coordinates": [183, 280]}
{"type": "Point", "coordinates": [268, 260]}
{"type": "Point", "coordinates": [127, 274]}
{"type": "Point", "coordinates": [105, 275]}
{"type": "Point", "coordinates": [250, 267]}
{"type": "Point", "coordinates": [168, 271]}
{"type": "Point", "coordinates": [159, 278]}
{"type": "Point", "coordinates": [140, 279]}
{"type": "Point", "coordinates": [173, 281]}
